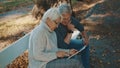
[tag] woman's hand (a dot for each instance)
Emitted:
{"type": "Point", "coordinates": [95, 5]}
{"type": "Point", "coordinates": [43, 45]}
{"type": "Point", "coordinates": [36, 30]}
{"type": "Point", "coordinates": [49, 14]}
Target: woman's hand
{"type": "Point", "coordinates": [61, 54]}
{"type": "Point", "coordinates": [70, 26]}
{"type": "Point", "coordinates": [68, 38]}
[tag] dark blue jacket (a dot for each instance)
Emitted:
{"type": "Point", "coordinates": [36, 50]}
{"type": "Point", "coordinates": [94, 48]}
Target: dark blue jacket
{"type": "Point", "coordinates": [61, 32]}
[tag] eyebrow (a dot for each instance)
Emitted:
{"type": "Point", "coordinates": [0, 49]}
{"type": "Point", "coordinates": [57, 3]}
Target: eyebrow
{"type": "Point", "coordinates": [66, 18]}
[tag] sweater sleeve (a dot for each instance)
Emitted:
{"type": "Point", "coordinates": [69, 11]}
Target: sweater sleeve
{"type": "Point", "coordinates": [39, 46]}
{"type": "Point", "coordinates": [66, 50]}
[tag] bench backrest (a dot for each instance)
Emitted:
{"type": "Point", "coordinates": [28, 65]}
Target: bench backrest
{"type": "Point", "coordinates": [11, 52]}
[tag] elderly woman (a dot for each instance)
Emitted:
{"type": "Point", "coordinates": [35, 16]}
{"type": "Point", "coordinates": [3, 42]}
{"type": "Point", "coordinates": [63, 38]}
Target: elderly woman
{"type": "Point", "coordinates": [43, 51]}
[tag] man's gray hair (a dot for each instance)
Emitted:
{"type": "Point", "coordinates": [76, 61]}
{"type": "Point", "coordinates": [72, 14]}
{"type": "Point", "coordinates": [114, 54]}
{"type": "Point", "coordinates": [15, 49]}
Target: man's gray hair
{"type": "Point", "coordinates": [51, 13]}
{"type": "Point", "coordinates": [64, 8]}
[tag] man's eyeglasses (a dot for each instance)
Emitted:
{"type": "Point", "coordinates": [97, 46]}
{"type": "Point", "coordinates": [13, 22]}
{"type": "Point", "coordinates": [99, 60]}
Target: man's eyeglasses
{"type": "Point", "coordinates": [57, 23]}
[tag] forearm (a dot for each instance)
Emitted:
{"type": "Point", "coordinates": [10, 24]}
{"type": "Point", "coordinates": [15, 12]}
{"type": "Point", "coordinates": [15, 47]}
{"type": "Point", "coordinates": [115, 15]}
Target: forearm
{"type": "Point", "coordinates": [67, 38]}
{"type": "Point", "coordinates": [44, 56]}
{"type": "Point", "coordinates": [85, 38]}
{"type": "Point", "coordinates": [84, 35]}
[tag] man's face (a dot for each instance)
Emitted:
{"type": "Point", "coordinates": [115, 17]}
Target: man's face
{"type": "Point", "coordinates": [66, 18]}
{"type": "Point", "coordinates": [53, 24]}
{"type": "Point", "coordinates": [56, 22]}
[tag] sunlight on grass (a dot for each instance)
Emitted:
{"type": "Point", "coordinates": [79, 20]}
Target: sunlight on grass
{"type": "Point", "coordinates": [84, 6]}
{"type": "Point", "coordinates": [13, 30]}
{"type": "Point", "coordinates": [16, 26]}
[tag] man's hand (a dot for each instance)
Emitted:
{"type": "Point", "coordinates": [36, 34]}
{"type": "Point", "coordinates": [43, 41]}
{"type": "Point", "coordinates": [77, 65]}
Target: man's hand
{"type": "Point", "coordinates": [72, 51]}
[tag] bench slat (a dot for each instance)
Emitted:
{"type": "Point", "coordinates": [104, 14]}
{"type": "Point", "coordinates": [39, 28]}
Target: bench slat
{"type": "Point", "coordinates": [8, 54]}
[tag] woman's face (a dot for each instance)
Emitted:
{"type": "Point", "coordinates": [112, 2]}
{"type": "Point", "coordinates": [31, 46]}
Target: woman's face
{"type": "Point", "coordinates": [66, 18]}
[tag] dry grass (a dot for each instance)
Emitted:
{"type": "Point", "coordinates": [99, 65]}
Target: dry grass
{"type": "Point", "coordinates": [13, 30]}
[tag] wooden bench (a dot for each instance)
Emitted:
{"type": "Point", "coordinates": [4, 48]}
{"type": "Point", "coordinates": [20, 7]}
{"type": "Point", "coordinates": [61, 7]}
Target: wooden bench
{"type": "Point", "coordinates": [11, 52]}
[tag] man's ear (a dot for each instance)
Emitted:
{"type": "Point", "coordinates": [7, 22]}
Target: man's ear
{"type": "Point", "coordinates": [48, 20]}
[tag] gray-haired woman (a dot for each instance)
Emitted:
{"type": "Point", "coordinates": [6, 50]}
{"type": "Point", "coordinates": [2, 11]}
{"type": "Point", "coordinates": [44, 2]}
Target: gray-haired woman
{"type": "Point", "coordinates": [43, 51]}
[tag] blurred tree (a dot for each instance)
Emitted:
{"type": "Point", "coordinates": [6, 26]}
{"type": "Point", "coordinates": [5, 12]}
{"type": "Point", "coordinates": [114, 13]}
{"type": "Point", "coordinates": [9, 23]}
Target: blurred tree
{"type": "Point", "coordinates": [42, 5]}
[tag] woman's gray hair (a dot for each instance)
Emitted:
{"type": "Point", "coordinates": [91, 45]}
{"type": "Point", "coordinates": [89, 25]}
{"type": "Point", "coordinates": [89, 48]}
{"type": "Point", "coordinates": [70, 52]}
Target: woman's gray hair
{"type": "Point", "coordinates": [64, 8]}
{"type": "Point", "coordinates": [51, 13]}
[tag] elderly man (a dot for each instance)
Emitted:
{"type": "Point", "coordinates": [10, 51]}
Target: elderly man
{"type": "Point", "coordinates": [43, 51]}
{"type": "Point", "coordinates": [64, 33]}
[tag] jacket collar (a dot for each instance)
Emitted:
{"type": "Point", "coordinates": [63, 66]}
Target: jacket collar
{"type": "Point", "coordinates": [44, 24]}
